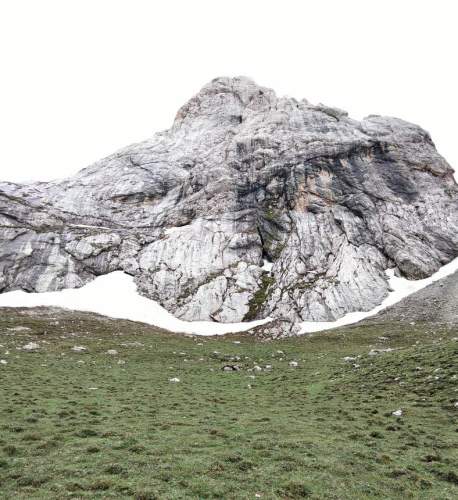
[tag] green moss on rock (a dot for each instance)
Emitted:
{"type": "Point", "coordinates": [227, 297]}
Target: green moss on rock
{"type": "Point", "coordinates": [260, 297]}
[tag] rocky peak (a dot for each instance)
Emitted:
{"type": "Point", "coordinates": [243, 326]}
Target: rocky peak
{"type": "Point", "coordinates": [223, 103]}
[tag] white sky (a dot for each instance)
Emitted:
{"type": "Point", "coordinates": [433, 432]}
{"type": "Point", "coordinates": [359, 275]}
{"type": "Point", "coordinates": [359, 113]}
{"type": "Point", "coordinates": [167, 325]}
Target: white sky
{"type": "Point", "coordinates": [81, 79]}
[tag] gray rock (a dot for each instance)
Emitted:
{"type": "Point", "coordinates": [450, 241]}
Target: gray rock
{"type": "Point", "coordinates": [31, 346]}
{"type": "Point", "coordinates": [376, 352]}
{"type": "Point", "coordinates": [230, 368]}
{"type": "Point", "coordinates": [274, 330]}
{"type": "Point", "coordinates": [79, 348]}
{"type": "Point", "coordinates": [243, 177]}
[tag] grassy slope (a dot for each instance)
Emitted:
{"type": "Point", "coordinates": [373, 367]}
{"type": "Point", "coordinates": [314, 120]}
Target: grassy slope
{"type": "Point", "coordinates": [322, 430]}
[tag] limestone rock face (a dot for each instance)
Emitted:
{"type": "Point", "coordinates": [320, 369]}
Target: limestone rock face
{"type": "Point", "coordinates": [242, 179]}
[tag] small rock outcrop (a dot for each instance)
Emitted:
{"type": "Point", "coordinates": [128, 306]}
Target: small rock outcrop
{"type": "Point", "coordinates": [276, 329]}
{"type": "Point", "coordinates": [250, 205]}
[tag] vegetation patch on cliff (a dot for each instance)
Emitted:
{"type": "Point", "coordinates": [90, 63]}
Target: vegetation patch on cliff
{"type": "Point", "coordinates": [260, 297]}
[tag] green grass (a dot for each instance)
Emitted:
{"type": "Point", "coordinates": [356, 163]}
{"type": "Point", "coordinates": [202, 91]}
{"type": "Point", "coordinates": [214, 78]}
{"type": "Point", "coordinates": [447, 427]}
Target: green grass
{"type": "Point", "coordinates": [100, 429]}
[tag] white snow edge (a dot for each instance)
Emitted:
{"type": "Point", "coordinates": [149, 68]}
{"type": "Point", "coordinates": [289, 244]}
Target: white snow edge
{"type": "Point", "coordinates": [115, 295]}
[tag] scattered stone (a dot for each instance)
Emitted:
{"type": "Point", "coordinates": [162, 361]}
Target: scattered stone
{"type": "Point", "coordinates": [31, 346]}
{"type": "Point", "coordinates": [293, 364]}
{"type": "Point", "coordinates": [375, 352]}
{"type": "Point", "coordinates": [397, 413]}
{"type": "Point", "coordinates": [230, 368]}
{"type": "Point", "coordinates": [79, 348]}
{"type": "Point", "coordinates": [3, 362]}
{"type": "Point", "coordinates": [174, 380]}
{"type": "Point", "coordinates": [349, 358]}
{"type": "Point", "coordinates": [257, 368]}
{"type": "Point", "coordinates": [121, 362]}
{"type": "Point", "coordinates": [112, 352]}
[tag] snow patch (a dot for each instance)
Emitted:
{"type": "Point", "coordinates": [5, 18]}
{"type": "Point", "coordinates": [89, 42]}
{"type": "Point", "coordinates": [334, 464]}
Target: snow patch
{"type": "Point", "coordinates": [267, 266]}
{"type": "Point", "coordinates": [115, 295]}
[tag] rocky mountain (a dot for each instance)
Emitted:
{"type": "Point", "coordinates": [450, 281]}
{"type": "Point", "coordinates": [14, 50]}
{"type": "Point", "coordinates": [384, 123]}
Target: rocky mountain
{"type": "Point", "coordinates": [250, 205]}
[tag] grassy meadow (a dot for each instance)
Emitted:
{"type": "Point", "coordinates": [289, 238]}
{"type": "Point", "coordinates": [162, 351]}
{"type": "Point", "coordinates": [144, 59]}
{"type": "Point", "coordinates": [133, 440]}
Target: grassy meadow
{"type": "Point", "coordinates": [90, 424]}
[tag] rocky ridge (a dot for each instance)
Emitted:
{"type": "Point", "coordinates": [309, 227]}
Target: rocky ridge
{"type": "Point", "coordinates": [242, 179]}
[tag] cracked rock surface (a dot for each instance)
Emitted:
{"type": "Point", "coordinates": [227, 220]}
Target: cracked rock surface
{"type": "Point", "coordinates": [241, 179]}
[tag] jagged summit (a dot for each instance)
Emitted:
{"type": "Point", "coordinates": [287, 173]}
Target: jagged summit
{"type": "Point", "coordinates": [243, 177]}
{"type": "Point", "coordinates": [242, 88]}
{"type": "Point", "coordinates": [231, 100]}
{"type": "Point", "coordinates": [224, 101]}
